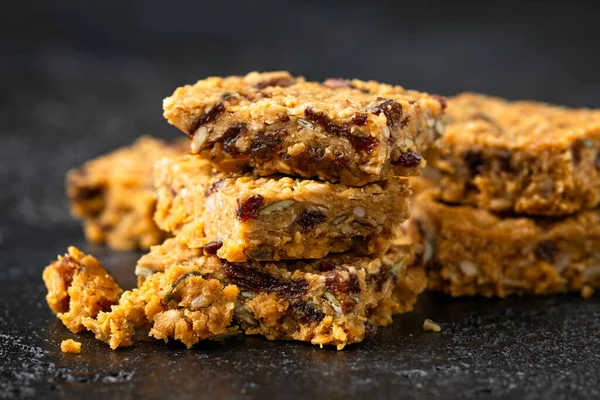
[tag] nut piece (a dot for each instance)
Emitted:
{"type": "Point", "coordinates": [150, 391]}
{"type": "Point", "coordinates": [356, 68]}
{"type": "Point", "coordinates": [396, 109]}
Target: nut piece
{"type": "Point", "coordinates": [359, 211]}
{"type": "Point", "coordinates": [199, 139]}
{"type": "Point", "coordinates": [276, 207]}
{"type": "Point", "coordinates": [70, 346]}
{"type": "Point", "coordinates": [587, 291]}
{"type": "Point", "coordinates": [429, 325]}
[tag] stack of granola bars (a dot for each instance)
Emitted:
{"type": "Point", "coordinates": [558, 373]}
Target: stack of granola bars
{"type": "Point", "coordinates": [513, 203]}
{"type": "Point", "coordinates": [285, 215]}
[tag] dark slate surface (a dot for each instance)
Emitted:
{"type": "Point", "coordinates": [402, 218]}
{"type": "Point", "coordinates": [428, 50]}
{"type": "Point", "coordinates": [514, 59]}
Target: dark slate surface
{"type": "Point", "coordinates": [81, 79]}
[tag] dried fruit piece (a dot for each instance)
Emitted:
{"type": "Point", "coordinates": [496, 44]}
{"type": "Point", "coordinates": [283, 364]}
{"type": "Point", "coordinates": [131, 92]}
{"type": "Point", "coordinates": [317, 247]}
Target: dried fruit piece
{"type": "Point", "coordinates": [474, 160]}
{"type": "Point", "coordinates": [265, 145]}
{"type": "Point", "coordinates": [392, 111]}
{"type": "Point", "coordinates": [206, 118]}
{"type": "Point", "coordinates": [408, 159]}
{"type": "Point", "coordinates": [231, 136]}
{"type": "Point", "coordinates": [307, 219]}
{"type": "Point", "coordinates": [211, 248]}
{"type": "Point", "coordinates": [249, 208]}
{"type": "Point", "coordinates": [251, 278]}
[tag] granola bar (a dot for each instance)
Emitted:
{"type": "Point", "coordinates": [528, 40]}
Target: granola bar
{"type": "Point", "coordinates": [520, 156]}
{"type": "Point", "coordinates": [346, 131]}
{"type": "Point", "coordinates": [470, 251]}
{"type": "Point", "coordinates": [186, 308]}
{"type": "Point", "coordinates": [337, 300]}
{"type": "Point", "coordinates": [114, 196]}
{"type": "Point", "coordinates": [244, 217]}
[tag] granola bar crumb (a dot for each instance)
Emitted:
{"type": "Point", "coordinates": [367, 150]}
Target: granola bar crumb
{"type": "Point", "coordinates": [587, 291]}
{"type": "Point", "coordinates": [432, 326]}
{"type": "Point", "coordinates": [70, 346]}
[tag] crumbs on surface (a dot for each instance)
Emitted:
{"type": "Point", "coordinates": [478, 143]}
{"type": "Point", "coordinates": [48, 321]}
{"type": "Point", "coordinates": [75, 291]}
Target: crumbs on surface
{"type": "Point", "coordinates": [70, 346]}
{"type": "Point", "coordinates": [429, 325]}
{"type": "Point", "coordinates": [587, 291]}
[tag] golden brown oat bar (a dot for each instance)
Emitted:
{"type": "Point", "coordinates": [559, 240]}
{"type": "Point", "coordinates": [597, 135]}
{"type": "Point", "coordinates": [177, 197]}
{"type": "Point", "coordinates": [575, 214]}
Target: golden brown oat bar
{"type": "Point", "coordinates": [346, 131]}
{"type": "Point", "coordinates": [520, 156]}
{"type": "Point", "coordinates": [469, 251]}
{"type": "Point", "coordinates": [337, 300]}
{"type": "Point", "coordinates": [114, 196]}
{"type": "Point", "coordinates": [244, 217]}
{"type": "Point", "coordinates": [176, 303]}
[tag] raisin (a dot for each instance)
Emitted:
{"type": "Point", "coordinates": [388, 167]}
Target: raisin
{"type": "Point", "coordinates": [205, 118]}
{"type": "Point", "coordinates": [408, 159]}
{"type": "Point", "coordinates": [231, 136]}
{"type": "Point", "coordinates": [363, 143]}
{"type": "Point", "coordinates": [441, 100]}
{"type": "Point", "coordinates": [381, 277]}
{"type": "Point", "coordinates": [256, 280]}
{"type": "Point", "coordinates": [264, 145]}
{"type": "Point", "coordinates": [370, 330]}
{"type": "Point", "coordinates": [336, 284]}
{"type": "Point", "coordinates": [474, 160]}
{"type": "Point", "coordinates": [279, 81]}
{"type": "Point", "coordinates": [404, 122]}
{"type": "Point", "coordinates": [249, 207]}
{"type": "Point", "coordinates": [576, 148]}
{"type": "Point", "coordinates": [211, 248]}
{"type": "Point", "coordinates": [310, 157]}
{"type": "Point", "coordinates": [597, 162]}
{"type": "Point", "coordinates": [329, 265]}
{"type": "Point", "coordinates": [308, 313]}
{"type": "Point", "coordinates": [307, 219]}
{"type": "Point", "coordinates": [359, 143]}
{"type": "Point", "coordinates": [353, 284]}
{"type": "Point", "coordinates": [392, 111]}
{"type": "Point", "coordinates": [348, 305]}
{"type": "Point", "coordinates": [338, 83]}
{"type": "Point", "coordinates": [359, 119]}
{"type": "Point", "coordinates": [546, 250]}
{"type": "Point", "coordinates": [215, 186]}
{"type": "Point", "coordinates": [326, 122]}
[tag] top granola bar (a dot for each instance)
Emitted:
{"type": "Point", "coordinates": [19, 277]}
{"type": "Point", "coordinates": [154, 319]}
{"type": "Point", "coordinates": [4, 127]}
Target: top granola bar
{"type": "Point", "coordinates": [519, 156]}
{"type": "Point", "coordinates": [346, 131]}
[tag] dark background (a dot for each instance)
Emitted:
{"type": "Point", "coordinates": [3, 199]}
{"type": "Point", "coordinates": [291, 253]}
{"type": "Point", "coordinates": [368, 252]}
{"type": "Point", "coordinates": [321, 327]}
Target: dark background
{"type": "Point", "coordinates": [80, 78]}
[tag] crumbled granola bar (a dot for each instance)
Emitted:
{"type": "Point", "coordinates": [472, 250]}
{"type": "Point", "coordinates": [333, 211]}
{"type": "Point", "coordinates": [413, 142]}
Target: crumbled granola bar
{"type": "Point", "coordinates": [79, 287]}
{"type": "Point", "coordinates": [522, 156]}
{"type": "Point", "coordinates": [346, 131]}
{"type": "Point", "coordinates": [335, 301]}
{"type": "Point", "coordinates": [177, 303]}
{"type": "Point", "coordinates": [114, 196]}
{"type": "Point", "coordinates": [244, 217]}
{"type": "Point", "coordinates": [470, 251]}
{"type": "Point", "coordinates": [70, 346]}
